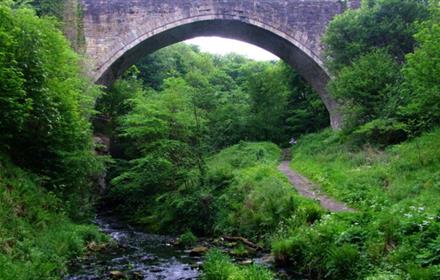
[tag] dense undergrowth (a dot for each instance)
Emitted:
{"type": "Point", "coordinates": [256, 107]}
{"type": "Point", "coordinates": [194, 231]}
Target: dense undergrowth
{"type": "Point", "coordinates": [37, 239]}
{"type": "Point", "coordinates": [242, 193]}
{"type": "Point", "coordinates": [394, 234]}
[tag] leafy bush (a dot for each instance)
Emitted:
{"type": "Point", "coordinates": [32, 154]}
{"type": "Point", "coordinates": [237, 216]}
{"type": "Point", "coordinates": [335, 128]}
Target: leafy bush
{"type": "Point", "coordinates": [343, 262]}
{"type": "Point", "coordinates": [222, 166]}
{"type": "Point", "coordinates": [217, 266]}
{"type": "Point", "coordinates": [291, 251]}
{"type": "Point", "coordinates": [45, 106]}
{"type": "Point", "coordinates": [240, 193]}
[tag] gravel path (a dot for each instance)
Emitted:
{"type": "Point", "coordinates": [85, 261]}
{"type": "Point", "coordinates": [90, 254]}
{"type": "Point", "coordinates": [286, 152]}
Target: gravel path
{"type": "Point", "coordinates": [310, 190]}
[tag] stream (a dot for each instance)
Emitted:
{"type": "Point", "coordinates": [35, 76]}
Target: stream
{"type": "Point", "coordinates": [137, 255]}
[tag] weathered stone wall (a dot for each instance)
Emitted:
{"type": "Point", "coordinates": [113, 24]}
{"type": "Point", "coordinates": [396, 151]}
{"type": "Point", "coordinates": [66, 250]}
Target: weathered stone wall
{"type": "Point", "coordinates": [119, 32]}
{"type": "Point", "coordinates": [73, 24]}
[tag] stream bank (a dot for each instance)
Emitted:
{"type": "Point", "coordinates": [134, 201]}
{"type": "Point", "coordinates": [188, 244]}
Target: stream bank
{"type": "Point", "coordinates": [134, 254]}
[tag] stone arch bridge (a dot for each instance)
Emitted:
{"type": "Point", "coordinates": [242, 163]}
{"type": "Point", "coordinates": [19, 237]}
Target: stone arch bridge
{"type": "Point", "coordinates": [116, 33]}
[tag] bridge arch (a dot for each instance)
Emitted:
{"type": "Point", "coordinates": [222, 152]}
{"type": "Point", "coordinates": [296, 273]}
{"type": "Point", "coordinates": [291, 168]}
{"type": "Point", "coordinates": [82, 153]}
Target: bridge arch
{"type": "Point", "coordinates": [119, 32]}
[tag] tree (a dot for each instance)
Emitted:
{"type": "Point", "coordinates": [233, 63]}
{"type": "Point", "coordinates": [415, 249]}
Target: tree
{"type": "Point", "coordinates": [305, 112]}
{"type": "Point", "coordinates": [14, 106]}
{"type": "Point", "coordinates": [163, 128]}
{"type": "Point", "coordinates": [422, 75]}
{"type": "Point", "coordinates": [49, 7]}
{"type": "Point", "coordinates": [45, 105]}
{"type": "Point", "coordinates": [378, 24]}
{"type": "Point", "coordinates": [268, 103]}
{"type": "Point", "coordinates": [367, 87]}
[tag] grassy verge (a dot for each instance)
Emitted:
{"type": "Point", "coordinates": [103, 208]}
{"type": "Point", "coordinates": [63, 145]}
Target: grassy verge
{"type": "Point", "coordinates": [396, 232]}
{"type": "Point", "coordinates": [36, 238]}
{"type": "Point", "coordinates": [369, 178]}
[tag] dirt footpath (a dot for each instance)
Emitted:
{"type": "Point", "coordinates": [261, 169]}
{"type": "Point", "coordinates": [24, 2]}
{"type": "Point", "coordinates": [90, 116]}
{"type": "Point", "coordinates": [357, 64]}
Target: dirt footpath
{"type": "Point", "coordinates": [310, 190]}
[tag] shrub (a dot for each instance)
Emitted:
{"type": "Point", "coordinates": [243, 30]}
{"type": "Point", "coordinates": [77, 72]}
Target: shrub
{"type": "Point", "coordinates": [256, 272]}
{"type": "Point", "coordinates": [377, 24]}
{"type": "Point", "coordinates": [292, 251]}
{"type": "Point", "coordinates": [393, 235]}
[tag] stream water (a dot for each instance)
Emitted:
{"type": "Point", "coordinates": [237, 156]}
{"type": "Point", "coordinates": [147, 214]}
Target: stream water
{"type": "Point", "coordinates": [137, 255]}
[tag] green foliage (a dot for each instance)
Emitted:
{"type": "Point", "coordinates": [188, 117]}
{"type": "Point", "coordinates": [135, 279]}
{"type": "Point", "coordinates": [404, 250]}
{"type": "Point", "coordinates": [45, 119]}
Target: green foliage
{"type": "Point", "coordinates": [240, 193]}
{"type": "Point", "coordinates": [268, 103]}
{"type": "Point", "coordinates": [243, 155]}
{"type": "Point", "coordinates": [53, 8]}
{"type": "Point", "coordinates": [220, 267]}
{"type": "Point", "coordinates": [422, 72]}
{"type": "Point", "coordinates": [45, 106]}
{"type": "Point", "coordinates": [191, 206]}
{"type": "Point", "coordinates": [367, 88]}
{"type": "Point", "coordinates": [305, 110]}
{"type": "Point", "coordinates": [165, 178]}
{"type": "Point", "coordinates": [396, 227]}
{"type": "Point", "coordinates": [217, 266]}
{"type": "Point", "coordinates": [161, 129]}
{"type": "Point", "coordinates": [201, 207]}
{"type": "Point", "coordinates": [380, 132]}
{"type": "Point", "coordinates": [36, 237]}
{"type": "Point", "coordinates": [343, 262]}
{"type": "Point", "coordinates": [243, 99]}
{"type": "Point", "coordinates": [379, 24]}
{"type": "Point", "coordinates": [366, 51]}
{"type": "Point", "coordinates": [173, 62]}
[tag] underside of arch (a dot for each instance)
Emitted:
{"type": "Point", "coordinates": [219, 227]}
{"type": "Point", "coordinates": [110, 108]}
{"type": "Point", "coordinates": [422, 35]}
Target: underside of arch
{"type": "Point", "coordinates": [304, 61]}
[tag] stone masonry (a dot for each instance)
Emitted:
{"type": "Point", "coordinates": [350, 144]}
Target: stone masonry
{"type": "Point", "coordinates": [119, 32]}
